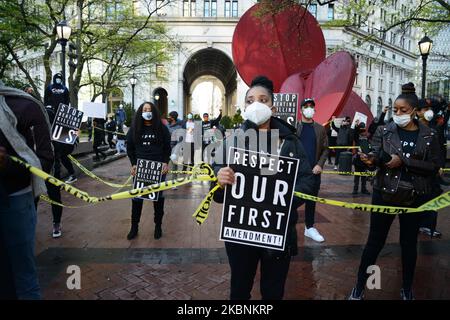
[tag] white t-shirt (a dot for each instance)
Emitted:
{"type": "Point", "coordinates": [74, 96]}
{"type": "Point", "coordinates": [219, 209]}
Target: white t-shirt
{"type": "Point", "coordinates": [190, 131]}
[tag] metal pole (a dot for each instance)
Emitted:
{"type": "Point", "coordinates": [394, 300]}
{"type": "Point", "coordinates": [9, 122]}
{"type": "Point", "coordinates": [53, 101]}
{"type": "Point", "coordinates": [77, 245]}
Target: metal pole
{"type": "Point", "coordinates": [132, 96]}
{"type": "Point", "coordinates": [63, 61]}
{"type": "Point", "coordinates": [424, 74]}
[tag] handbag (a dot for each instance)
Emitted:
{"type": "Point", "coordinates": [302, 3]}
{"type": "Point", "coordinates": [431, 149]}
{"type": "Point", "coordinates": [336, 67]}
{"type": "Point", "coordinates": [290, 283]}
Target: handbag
{"type": "Point", "coordinates": [404, 195]}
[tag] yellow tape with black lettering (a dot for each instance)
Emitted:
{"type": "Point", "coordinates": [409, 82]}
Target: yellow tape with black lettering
{"type": "Point", "coordinates": [89, 173]}
{"type": "Point", "coordinates": [351, 173]}
{"type": "Point", "coordinates": [121, 195]}
{"type": "Point", "coordinates": [202, 212]}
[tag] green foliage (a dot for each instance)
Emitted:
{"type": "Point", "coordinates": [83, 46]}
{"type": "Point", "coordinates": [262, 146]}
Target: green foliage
{"type": "Point", "coordinates": [226, 122]}
{"type": "Point", "coordinates": [129, 111]}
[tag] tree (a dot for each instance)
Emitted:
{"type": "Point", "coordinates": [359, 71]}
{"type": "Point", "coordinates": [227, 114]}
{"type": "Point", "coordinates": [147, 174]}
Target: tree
{"type": "Point", "coordinates": [119, 41]}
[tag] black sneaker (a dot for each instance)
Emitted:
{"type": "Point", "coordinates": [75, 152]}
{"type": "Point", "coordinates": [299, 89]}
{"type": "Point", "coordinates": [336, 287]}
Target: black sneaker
{"type": "Point", "coordinates": [365, 192]}
{"type": "Point", "coordinates": [406, 294]}
{"type": "Point", "coordinates": [354, 295]}
{"type": "Point", "coordinates": [158, 231]}
{"type": "Point", "coordinates": [133, 232]}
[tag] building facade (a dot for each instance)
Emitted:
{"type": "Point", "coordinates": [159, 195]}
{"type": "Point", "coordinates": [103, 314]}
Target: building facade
{"type": "Point", "coordinates": [203, 31]}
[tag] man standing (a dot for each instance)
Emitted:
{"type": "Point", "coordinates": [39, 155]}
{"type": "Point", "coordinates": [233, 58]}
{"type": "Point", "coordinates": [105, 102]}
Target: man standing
{"type": "Point", "coordinates": [344, 137]}
{"type": "Point", "coordinates": [121, 116]}
{"type": "Point", "coordinates": [24, 133]}
{"type": "Point", "coordinates": [207, 132]}
{"type": "Point", "coordinates": [173, 124]}
{"type": "Point", "coordinates": [313, 136]}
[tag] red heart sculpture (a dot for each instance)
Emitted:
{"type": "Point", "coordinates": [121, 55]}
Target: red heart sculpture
{"type": "Point", "coordinates": [277, 45]}
{"type": "Point", "coordinates": [355, 103]}
{"type": "Point", "coordinates": [330, 84]}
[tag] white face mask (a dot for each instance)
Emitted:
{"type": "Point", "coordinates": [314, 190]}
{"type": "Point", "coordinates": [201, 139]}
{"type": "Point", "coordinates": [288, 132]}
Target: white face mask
{"type": "Point", "coordinates": [257, 113]}
{"type": "Point", "coordinates": [58, 81]}
{"type": "Point", "coordinates": [403, 120]}
{"type": "Point", "coordinates": [189, 116]}
{"type": "Point", "coordinates": [147, 115]}
{"type": "Point", "coordinates": [308, 112]}
{"type": "Point", "coordinates": [428, 115]}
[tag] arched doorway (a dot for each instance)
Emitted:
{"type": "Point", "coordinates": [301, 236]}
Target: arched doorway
{"type": "Point", "coordinates": [160, 98]}
{"type": "Point", "coordinates": [379, 106]}
{"type": "Point", "coordinates": [216, 68]}
{"type": "Point", "coordinates": [369, 102]}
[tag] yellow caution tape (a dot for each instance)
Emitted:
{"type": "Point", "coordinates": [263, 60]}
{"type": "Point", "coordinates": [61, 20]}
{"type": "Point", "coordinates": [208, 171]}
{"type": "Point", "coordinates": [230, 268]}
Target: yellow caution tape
{"type": "Point", "coordinates": [94, 176]}
{"type": "Point", "coordinates": [50, 201]}
{"type": "Point", "coordinates": [165, 185]}
{"type": "Point", "coordinates": [446, 169]}
{"type": "Point", "coordinates": [351, 173]}
{"type": "Point", "coordinates": [202, 212]}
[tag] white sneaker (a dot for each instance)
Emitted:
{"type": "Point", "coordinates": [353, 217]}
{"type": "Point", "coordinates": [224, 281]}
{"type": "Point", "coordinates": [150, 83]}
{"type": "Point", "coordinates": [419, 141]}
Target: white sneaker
{"type": "Point", "coordinates": [314, 234]}
{"type": "Point", "coordinates": [335, 168]}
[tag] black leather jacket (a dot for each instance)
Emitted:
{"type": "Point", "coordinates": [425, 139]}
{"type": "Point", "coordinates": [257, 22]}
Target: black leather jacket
{"type": "Point", "coordinates": [290, 147]}
{"type": "Point", "coordinates": [423, 164]}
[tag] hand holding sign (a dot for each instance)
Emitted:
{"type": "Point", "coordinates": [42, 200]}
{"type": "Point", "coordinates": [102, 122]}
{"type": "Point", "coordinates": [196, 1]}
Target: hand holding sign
{"type": "Point", "coordinates": [225, 176]}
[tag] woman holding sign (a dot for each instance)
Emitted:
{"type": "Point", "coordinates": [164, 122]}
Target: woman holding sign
{"type": "Point", "coordinates": [148, 139]}
{"type": "Point", "coordinates": [406, 154]}
{"type": "Point", "coordinates": [244, 258]}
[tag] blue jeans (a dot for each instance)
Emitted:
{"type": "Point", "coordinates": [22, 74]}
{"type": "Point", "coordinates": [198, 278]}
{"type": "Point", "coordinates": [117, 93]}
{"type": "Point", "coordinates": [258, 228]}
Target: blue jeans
{"type": "Point", "coordinates": [18, 227]}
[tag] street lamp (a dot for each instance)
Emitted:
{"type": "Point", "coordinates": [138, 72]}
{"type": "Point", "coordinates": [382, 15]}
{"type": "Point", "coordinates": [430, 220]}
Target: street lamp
{"type": "Point", "coordinates": [425, 45]}
{"type": "Point", "coordinates": [63, 30]}
{"type": "Point", "coordinates": [133, 81]}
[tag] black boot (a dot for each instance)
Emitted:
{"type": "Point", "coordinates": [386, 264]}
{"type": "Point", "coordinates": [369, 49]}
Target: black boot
{"type": "Point", "coordinates": [133, 231]}
{"type": "Point", "coordinates": [158, 231]}
{"type": "Point", "coordinates": [355, 190]}
{"type": "Point", "coordinates": [365, 191]}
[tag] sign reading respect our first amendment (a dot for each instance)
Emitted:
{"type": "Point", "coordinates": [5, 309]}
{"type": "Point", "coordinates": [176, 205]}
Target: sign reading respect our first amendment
{"type": "Point", "coordinates": [66, 124]}
{"type": "Point", "coordinates": [257, 206]}
{"type": "Point", "coordinates": [148, 172]}
{"type": "Point", "coordinates": [286, 105]}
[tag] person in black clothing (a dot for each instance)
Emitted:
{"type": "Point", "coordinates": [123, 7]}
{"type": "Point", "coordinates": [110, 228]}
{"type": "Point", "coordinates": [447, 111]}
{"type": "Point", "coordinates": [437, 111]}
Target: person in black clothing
{"type": "Point", "coordinates": [344, 138]}
{"type": "Point", "coordinates": [360, 134]}
{"type": "Point", "coordinates": [56, 93]}
{"type": "Point", "coordinates": [99, 137]}
{"type": "Point", "coordinates": [377, 122]}
{"type": "Point", "coordinates": [332, 137]}
{"type": "Point", "coordinates": [148, 139]}
{"type": "Point", "coordinates": [207, 133]}
{"type": "Point", "coordinates": [244, 259]}
{"type": "Point", "coordinates": [111, 127]}
{"type": "Point", "coordinates": [406, 154]}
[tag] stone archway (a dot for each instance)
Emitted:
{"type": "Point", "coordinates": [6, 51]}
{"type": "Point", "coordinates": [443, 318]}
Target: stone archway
{"type": "Point", "coordinates": [215, 63]}
{"type": "Point", "coordinates": [161, 102]}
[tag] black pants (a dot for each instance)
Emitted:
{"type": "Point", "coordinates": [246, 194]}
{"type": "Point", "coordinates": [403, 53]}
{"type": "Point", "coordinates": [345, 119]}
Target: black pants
{"type": "Point", "coordinates": [67, 164]}
{"type": "Point", "coordinates": [338, 152]}
{"type": "Point", "coordinates": [111, 143]}
{"type": "Point", "coordinates": [7, 287]}
{"type": "Point", "coordinates": [136, 210]}
{"type": "Point", "coordinates": [357, 178]}
{"type": "Point", "coordinates": [331, 143]}
{"type": "Point", "coordinates": [310, 206]}
{"type": "Point", "coordinates": [188, 155]}
{"type": "Point", "coordinates": [97, 150]}
{"type": "Point", "coordinates": [243, 262]}
{"type": "Point", "coordinates": [380, 224]}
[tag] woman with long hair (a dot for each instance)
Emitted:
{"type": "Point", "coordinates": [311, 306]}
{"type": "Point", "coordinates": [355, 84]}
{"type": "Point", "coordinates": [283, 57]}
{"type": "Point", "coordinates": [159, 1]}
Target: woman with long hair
{"type": "Point", "coordinates": [148, 139]}
{"type": "Point", "coordinates": [406, 154]}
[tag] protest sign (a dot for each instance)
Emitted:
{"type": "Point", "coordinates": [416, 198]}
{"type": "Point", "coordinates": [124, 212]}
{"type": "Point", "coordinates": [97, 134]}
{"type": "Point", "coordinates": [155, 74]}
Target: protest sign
{"type": "Point", "coordinates": [286, 105]}
{"type": "Point", "coordinates": [148, 172]}
{"type": "Point", "coordinates": [66, 124]}
{"type": "Point", "coordinates": [257, 206]}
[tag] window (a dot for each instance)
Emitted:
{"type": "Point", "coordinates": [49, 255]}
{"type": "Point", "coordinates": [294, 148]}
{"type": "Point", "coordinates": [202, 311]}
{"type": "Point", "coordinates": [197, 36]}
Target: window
{"type": "Point", "coordinates": [393, 56]}
{"type": "Point", "coordinates": [380, 85]}
{"type": "Point", "coordinates": [402, 42]}
{"type": "Point", "coordinates": [368, 101]}
{"type": "Point", "coordinates": [160, 71]}
{"type": "Point", "coordinates": [383, 53]}
{"type": "Point", "coordinates": [390, 110]}
{"type": "Point", "coordinates": [330, 11]}
{"type": "Point", "coordinates": [357, 79]}
{"type": "Point", "coordinates": [379, 105]}
{"type": "Point", "coordinates": [382, 68]}
{"type": "Point", "coordinates": [189, 8]}
{"type": "Point", "coordinates": [368, 82]}
{"type": "Point", "coordinates": [392, 72]}
{"type": "Point", "coordinates": [312, 8]}
{"type": "Point", "coordinates": [234, 9]}
{"type": "Point", "coordinates": [391, 86]}
{"type": "Point", "coordinates": [401, 74]}
{"type": "Point", "coordinates": [210, 8]}
{"type": "Point", "coordinates": [409, 45]}
{"type": "Point", "coordinates": [369, 65]}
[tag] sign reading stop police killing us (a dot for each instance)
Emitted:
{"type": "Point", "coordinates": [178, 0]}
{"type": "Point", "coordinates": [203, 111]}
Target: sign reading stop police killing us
{"type": "Point", "coordinates": [257, 206]}
{"type": "Point", "coordinates": [148, 172]}
{"type": "Point", "coordinates": [67, 122]}
{"type": "Point", "coordinates": [286, 107]}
